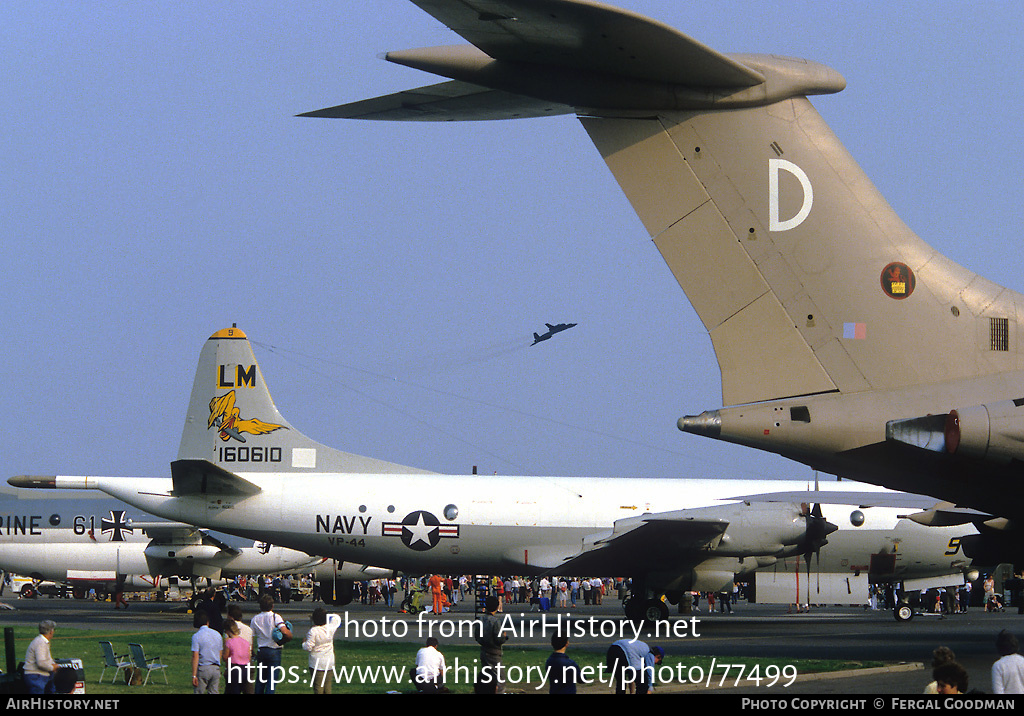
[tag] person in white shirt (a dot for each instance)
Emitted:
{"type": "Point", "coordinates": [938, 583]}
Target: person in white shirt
{"type": "Point", "coordinates": [430, 669]}
{"type": "Point", "coordinates": [563, 594]}
{"type": "Point", "coordinates": [39, 665]}
{"type": "Point", "coordinates": [268, 651]}
{"type": "Point", "coordinates": [320, 645]}
{"type": "Point", "coordinates": [1008, 672]}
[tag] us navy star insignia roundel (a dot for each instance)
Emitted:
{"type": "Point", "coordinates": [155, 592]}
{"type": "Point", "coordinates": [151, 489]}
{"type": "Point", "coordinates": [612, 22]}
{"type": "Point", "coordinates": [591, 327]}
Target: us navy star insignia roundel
{"type": "Point", "coordinates": [420, 530]}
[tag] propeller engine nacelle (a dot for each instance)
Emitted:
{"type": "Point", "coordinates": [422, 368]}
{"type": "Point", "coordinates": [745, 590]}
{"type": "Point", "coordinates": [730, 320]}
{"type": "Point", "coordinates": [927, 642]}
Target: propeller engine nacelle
{"type": "Point", "coordinates": [772, 530]}
{"type": "Point", "coordinates": [183, 552]}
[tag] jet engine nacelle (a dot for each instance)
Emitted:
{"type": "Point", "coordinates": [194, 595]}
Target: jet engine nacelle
{"type": "Point", "coordinates": [994, 431]}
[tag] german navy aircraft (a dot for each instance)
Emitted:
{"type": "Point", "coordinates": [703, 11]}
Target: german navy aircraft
{"type": "Point", "coordinates": [92, 541]}
{"type": "Point", "coordinates": [111, 552]}
{"type": "Point", "coordinates": [844, 341]}
{"type": "Point", "coordinates": [669, 535]}
{"type": "Point", "coordinates": [552, 330]}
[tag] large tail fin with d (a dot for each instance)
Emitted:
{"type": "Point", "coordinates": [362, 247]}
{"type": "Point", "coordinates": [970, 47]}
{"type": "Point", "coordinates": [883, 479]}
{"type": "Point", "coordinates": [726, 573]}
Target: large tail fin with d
{"type": "Point", "coordinates": [233, 423]}
{"type": "Point", "coordinates": [805, 278]}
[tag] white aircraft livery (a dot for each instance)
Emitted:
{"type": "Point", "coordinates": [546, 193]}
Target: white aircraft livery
{"type": "Point", "coordinates": [111, 552]}
{"type": "Point", "coordinates": [242, 469]}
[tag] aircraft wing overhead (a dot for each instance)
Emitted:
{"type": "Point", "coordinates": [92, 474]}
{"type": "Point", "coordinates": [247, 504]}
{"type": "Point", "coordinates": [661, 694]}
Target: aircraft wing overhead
{"type": "Point", "coordinates": [649, 537]}
{"type": "Point", "coordinates": [177, 533]}
{"type": "Point", "coordinates": [867, 498]}
{"type": "Point", "coordinates": [209, 539]}
{"type": "Point", "coordinates": [588, 36]}
{"type": "Point", "coordinates": [445, 102]}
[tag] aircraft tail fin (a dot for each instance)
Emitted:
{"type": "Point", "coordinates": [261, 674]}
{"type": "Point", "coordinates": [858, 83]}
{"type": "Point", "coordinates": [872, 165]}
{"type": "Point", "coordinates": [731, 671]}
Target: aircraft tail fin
{"type": "Point", "coordinates": [232, 422]}
{"type": "Point", "coordinates": [805, 278]}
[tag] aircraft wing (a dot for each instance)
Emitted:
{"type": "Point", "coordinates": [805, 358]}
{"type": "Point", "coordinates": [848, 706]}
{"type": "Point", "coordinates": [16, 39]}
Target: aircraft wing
{"type": "Point", "coordinates": [650, 541]}
{"type": "Point", "coordinates": [931, 512]}
{"type": "Point", "coordinates": [445, 102]}
{"type": "Point", "coordinates": [866, 498]}
{"type": "Point", "coordinates": [898, 500]}
{"type": "Point", "coordinates": [179, 534]}
{"type": "Point", "coordinates": [589, 37]}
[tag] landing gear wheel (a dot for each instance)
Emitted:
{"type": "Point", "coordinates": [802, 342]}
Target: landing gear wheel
{"type": "Point", "coordinates": [903, 612]}
{"type": "Point", "coordinates": [646, 610]}
{"type": "Point", "coordinates": [655, 610]}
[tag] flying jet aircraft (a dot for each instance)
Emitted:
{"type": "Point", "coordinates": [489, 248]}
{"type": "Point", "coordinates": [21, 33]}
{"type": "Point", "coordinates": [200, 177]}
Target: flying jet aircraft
{"type": "Point", "coordinates": [669, 535]}
{"type": "Point", "coordinates": [552, 330]}
{"type": "Point", "coordinates": [844, 341]}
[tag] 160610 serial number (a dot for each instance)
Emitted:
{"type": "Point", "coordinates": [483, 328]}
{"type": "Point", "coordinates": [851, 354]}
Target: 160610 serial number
{"type": "Point", "coordinates": [249, 454]}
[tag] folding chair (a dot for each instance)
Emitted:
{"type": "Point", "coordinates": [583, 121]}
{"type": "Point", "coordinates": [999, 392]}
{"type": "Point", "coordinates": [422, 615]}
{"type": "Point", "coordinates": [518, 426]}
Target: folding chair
{"type": "Point", "coordinates": [139, 661]}
{"type": "Point", "coordinates": [112, 661]}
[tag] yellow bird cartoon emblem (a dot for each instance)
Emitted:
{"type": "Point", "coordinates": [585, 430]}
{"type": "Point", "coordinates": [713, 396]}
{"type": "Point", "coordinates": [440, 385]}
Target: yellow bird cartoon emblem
{"type": "Point", "coordinates": [224, 415]}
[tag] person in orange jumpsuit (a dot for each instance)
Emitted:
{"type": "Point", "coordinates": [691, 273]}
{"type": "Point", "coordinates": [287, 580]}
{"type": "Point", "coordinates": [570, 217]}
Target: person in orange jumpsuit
{"type": "Point", "coordinates": [436, 584]}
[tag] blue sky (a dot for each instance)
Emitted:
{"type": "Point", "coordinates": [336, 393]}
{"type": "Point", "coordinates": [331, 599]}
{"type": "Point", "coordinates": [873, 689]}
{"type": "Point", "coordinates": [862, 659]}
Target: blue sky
{"type": "Point", "coordinates": [157, 187]}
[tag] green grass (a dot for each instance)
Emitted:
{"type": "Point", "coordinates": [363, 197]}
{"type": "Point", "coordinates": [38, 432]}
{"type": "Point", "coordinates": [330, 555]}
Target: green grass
{"type": "Point", "coordinates": [173, 648]}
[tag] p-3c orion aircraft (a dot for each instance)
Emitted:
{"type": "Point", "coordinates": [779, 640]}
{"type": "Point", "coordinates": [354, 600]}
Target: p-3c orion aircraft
{"type": "Point", "coordinates": [844, 341]}
{"type": "Point", "coordinates": [256, 481]}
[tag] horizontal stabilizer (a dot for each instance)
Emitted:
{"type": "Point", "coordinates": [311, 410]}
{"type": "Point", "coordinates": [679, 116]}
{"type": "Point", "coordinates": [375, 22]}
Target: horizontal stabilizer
{"type": "Point", "coordinates": [533, 58]}
{"type": "Point", "coordinates": [445, 102]}
{"type": "Point", "coordinates": [200, 477]}
{"type": "Point", "coordinates": [589, 37]}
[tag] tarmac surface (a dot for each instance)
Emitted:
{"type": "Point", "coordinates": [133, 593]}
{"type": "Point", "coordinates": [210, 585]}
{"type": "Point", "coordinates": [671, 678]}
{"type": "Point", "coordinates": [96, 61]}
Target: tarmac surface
{"type": "Point", "coordinates": [752, 630]}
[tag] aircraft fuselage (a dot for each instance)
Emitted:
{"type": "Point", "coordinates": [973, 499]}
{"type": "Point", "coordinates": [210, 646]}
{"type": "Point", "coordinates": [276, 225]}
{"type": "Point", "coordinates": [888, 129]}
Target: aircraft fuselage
{"type": "Point", "coordinates": [846, 434]}
{"type": "Point", "coordinates": [530, 525]}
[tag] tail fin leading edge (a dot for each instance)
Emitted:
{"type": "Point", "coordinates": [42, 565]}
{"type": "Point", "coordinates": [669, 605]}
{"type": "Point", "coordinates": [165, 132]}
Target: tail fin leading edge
{"type": "Point", "coordinates": [233, 423]}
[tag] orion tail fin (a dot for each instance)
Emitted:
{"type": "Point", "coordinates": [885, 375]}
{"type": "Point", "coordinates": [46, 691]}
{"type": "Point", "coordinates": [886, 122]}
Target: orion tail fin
{"type": "Point", "coordinates": [233, 423]}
